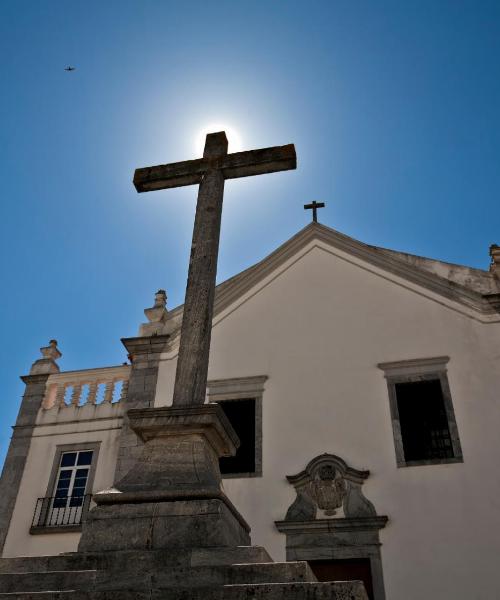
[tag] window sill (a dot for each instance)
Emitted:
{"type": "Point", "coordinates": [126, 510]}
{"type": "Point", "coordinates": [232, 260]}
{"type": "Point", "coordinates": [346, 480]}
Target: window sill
{"type": "Point", "coordinates": [434, 461]}
{"type": "Point", "coordinates": [55, 529]}
{"type": "Point", "coordinates": [241, 475]}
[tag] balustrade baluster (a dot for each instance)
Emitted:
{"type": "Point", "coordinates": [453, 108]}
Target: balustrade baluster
{"type": "Point", "coordinates": [79, 388]}
{"type": "Point", "coordinates": [61, 389]}
{"type": "Point", "coordinates": [92, 397]}
{"type": "Point", "coordinates": [75, 396]}
{"type": "Point", "coordinates": [124, 391]}
{"type": "Point", "coordinates": [108, 391]}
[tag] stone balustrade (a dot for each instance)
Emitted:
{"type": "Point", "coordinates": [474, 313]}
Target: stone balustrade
{"type": "Point", "coordinates": [87, 387]}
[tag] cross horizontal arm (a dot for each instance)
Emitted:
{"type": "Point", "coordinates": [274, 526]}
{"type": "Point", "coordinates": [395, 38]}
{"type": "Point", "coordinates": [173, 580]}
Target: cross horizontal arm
{"type": "Point", "coordinates": [239, 164]}
{"type": "Point", "coordinates": [173, 175]}
{"type": "Point", "coordinates": [259, 162]}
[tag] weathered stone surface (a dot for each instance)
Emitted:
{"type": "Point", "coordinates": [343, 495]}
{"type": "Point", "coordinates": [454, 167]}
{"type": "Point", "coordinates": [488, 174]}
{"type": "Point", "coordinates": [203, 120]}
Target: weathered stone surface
{"type": "Point", "coordinates": [228, 556]}
{"type": "Point", "coordinates": [151, 575]}
{"type": "Point", "coordinates": [327, 483]}
{"type": "Point", "coordinates": [345, 590]}
{"type": "Point", "coordinates": [46, 581]}
{"type": "Point", "coordinates": [190, 523]}
{"type": "Point", "coordinates": [17, 454]}
{"type": "Point", "coordinates": [213, 576]}
{"type": "Point", "coordinates": [172, 496]}
{"type": "Point", "coordinates": [210, 173]}
{"type": "Point", "coordinates": [180, 455]}
{"type": "Point", "coordinates": [142, 560]}
{"type": "Point", "coordinates": [144, 354]}
{"type": "Point", "coordinates": [165, 574]}
{"type": "Point", "coordinates": [238, 164]}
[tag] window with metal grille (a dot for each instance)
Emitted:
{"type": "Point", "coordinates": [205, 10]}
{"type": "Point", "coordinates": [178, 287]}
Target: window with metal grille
{"type": "Point", "coordinates": [425, 431]}
{"type": "Point", "coordinates": [72, 477]}
{"type": "Point", "coordinates": [241, 415]}
{"type": "Point", "coordinates": [423, 418]}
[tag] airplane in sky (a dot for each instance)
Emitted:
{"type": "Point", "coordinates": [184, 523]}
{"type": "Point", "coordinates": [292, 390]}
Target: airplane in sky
{"type": "Point", "coordinates": [68, 68]}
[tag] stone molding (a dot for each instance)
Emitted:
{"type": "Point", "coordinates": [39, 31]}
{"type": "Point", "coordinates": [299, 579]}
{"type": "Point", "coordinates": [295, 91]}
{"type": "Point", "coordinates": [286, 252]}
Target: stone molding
{"type": "Point", "coordinates": [176, 474]}
{"type": "Point", "coordinates": [34, 379]}
{"type": "Point", "coordinates": [328, 483]}
{"type": "Point", "coordinates": [332, 525]}
{"type": "Point", "coordinates": [144, 355]}
{"type": "Point", "coordinates": [55, 529]}
{"type": "Point", "coordinates": [233, 288]}
{"type": "Point", "coordinates": [119, 371]}
{"type": "Point", "coordinates": [420, 369]}
{"type": "Point", "coordinates": [485, 306]}
{"type": "Point", "coordinates": [236, 387]}
{"type": "Point", "coordinates": [241, 388]}
{"type": "Point", "coordinates": [338, 539]}
{"type": "Point", "coordinates": [413, 366]}
{"type": "Point", "coordinates": [209, 419]}
{"type": "Point", "coordinates": [179, 458]}
{"type": "Point", "coordinates": [143, 349]}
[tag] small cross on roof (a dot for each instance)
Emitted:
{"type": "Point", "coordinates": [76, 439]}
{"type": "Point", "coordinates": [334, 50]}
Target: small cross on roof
{"type": "Point", "coordinates": [314, 206]}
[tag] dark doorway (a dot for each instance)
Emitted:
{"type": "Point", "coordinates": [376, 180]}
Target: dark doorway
{"type": "Point", "coordinates": [344, 570]}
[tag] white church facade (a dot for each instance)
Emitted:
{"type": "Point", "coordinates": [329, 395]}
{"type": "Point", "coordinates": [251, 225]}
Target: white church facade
{"type": "Point", "coordinates": [364, 384]}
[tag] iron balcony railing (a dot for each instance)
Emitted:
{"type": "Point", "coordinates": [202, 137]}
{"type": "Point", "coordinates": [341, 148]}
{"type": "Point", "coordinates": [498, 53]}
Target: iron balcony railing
{"type": "Point", "coordinates": [60, 511]}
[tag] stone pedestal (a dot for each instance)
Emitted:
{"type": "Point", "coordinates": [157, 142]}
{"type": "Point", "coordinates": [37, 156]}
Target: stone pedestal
{"type": "Point", "coordinates": [167, 530]}
{"type": "Point", "coordinates": [163, 525]}
{"type": "Point", "coordinates": [172, 497]}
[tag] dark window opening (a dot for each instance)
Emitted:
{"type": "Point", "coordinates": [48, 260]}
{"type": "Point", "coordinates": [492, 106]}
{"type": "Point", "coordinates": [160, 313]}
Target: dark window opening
{"type": "Point", "coordinates": [241, 415]}
{"type": "Point", "coordinates": [423, 420]}
{"type": "Point", "coordinates": [348, 569]}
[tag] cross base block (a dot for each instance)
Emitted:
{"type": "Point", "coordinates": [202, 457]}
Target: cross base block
{"type": "Point", "coordinates": [172, 497]}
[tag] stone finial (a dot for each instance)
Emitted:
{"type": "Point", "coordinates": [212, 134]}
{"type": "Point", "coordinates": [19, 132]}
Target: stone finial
{"type": "Point", "coordinates": [161, 299]}
{"type": "Point", "coordinates": [47, 364]}
{"type": "Point", "coordinates": [158, 313]}
{"type": "Point", "coordinates": [157, 316]}
{"type": "Point", "coordinates": [495, 259]}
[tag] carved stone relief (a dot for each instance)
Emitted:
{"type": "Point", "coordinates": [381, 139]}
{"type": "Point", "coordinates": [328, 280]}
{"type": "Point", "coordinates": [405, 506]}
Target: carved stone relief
{"type": "Point", "coordinates": [315, 527]}
{"type": "Point", "coordinates": [328, 483]}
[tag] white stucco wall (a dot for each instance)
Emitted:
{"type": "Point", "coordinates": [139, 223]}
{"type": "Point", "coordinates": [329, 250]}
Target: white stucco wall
{"type": "Point", "coordinates": [318, 331]}
{"type": "Point", "coordinates": [57, 427]}
{"type": "Point", "coordinates": [317, 328]}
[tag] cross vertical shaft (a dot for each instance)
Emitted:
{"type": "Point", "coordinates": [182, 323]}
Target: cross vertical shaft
{"type": "Point", "coordinates": [192, 364]}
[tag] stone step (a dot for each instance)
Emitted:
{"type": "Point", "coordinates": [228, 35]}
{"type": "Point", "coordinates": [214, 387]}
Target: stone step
{"type": "Point", "coordinates": [41, 564]}
{"type": "Point", "coordinates": [229, 556]}
{"type": "Point", "coordinates": [150, 576]}
{"type": "Point", "coordinates": [340, 590]}
{"type": "Point", "coordinates": [183, 557]}
{"type": "Point", "coordinates": [46, 581]}
{"type": "Point", "coordinates": [216, 576]}
{"type": "Point", "coordinates": [285, 572]}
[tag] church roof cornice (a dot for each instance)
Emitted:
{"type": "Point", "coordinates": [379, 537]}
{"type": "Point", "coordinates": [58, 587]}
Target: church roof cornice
{"type": "Point", "coordinates": [420, 271]}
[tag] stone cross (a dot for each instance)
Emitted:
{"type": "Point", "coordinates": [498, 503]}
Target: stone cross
{"type": "Point", "coordinates": [209, 172]}
{"type": "Point", "coordinates": [314, 205]}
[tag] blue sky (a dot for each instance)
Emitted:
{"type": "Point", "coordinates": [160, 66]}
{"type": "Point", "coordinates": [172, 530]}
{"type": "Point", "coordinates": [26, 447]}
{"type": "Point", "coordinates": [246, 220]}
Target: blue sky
{"type": "Point", "coordinates": [393, 108]}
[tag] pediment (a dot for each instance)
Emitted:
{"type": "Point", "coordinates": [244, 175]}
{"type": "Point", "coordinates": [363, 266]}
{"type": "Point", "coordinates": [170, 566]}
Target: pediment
{"type": "Point", "coordinates": [475, 290]}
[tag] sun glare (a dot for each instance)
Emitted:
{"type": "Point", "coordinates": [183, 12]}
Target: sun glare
{"type": "Point", "coordinates": [233, 137]}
